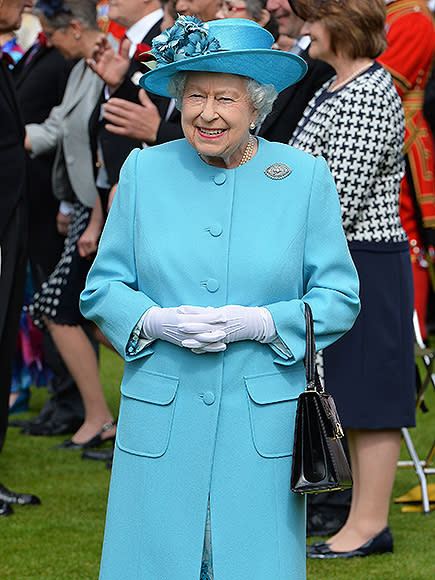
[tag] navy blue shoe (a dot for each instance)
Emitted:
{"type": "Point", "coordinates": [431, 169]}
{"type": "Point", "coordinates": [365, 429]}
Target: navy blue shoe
{"type": "Point", "coordinates": [379, 544]}
{"type": "Point", "coordinates": [311, 547]}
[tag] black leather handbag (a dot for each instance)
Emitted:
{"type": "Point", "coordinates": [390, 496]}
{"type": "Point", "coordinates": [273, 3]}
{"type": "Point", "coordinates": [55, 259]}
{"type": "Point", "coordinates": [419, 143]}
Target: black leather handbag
{"type": "Point", "coordinates": [319, 461]}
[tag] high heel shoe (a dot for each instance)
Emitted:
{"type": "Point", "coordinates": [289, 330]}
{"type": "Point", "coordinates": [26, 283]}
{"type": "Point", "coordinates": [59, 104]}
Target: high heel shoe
{"type": "Point", "coordinates": [379, 544]}
{"type": "Point", "coordinates": [95, 441]}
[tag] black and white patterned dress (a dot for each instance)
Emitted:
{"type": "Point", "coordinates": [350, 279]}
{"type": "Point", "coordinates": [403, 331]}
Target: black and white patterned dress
{"type": "Point", "coordinates": [58, 297]}
{"type": "Point", "coordinates": [359, 130]}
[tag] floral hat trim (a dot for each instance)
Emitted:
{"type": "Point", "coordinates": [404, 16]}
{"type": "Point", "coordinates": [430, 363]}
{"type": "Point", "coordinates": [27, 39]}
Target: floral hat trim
{"type": "Point", "coordinates": [189, 37]}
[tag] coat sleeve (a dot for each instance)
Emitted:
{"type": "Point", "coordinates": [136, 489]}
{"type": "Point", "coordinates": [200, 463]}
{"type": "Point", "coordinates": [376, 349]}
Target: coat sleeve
{"type": "Point", "coordinates": [331, 284]}
{"type": "Point", "coordinates": [45, 136]}
{"type": "Point", "coordinates": [411, 45]}
{"type": "Point", "coordinates": [111, 297]}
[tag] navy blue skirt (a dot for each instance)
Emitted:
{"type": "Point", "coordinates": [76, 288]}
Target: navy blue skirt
{"type": "Point", "coordinates": [371, 369]}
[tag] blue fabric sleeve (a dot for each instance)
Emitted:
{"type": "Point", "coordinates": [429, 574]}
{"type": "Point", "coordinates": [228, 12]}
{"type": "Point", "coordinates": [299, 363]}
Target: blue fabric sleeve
{"type": "Point", "coordinates": [111, 298]}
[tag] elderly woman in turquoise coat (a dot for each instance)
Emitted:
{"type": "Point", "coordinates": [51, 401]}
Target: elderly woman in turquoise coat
{"type": "Point", "coordinates": [212, 246]}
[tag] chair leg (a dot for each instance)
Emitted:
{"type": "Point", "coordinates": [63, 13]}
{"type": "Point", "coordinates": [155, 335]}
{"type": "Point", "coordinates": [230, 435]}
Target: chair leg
{"type": "Point", "coordinates": [418, 469]}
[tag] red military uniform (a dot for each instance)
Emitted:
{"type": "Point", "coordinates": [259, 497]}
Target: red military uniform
{"type": "Point", "coordinates": [409, 58]}
{"type": "Point", "coordinates": [106, 25]}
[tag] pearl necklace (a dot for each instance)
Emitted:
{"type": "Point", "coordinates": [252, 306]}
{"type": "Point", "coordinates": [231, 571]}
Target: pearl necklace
{"type": "Point", "coordinates": [249, 150]}
{"type": "Point", "coordinates": [333, 88]}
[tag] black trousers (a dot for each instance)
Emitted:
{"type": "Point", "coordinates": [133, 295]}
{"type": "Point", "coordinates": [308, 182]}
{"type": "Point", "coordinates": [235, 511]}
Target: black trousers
{"type": "Point", "coordinates": [13, 249]}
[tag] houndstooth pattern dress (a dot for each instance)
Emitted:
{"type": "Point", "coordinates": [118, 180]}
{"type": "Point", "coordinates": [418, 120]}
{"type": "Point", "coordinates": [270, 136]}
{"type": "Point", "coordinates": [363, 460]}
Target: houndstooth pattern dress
{"type": "Point", "coordinates": [359, 130]}
{"type": "Point", "coordinates": [364, 171]}
{"type": "Point", "coordinates": [58, 297]}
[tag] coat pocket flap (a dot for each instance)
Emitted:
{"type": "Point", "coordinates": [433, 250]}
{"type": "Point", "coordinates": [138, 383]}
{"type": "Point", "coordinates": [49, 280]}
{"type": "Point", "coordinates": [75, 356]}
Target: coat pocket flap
{"type": "Point", "coordinates": [150, 387]}
{"type": "Point", "coordinates": [275, 387]}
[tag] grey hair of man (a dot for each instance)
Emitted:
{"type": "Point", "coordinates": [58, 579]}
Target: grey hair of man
{"type": "Point", "coordinates": [84, 11]}
{"type": "Point", "coordinates": [261, 96]}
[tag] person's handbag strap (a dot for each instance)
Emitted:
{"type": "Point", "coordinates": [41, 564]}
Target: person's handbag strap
{"type": "Point", "coordinates": [312, 378]}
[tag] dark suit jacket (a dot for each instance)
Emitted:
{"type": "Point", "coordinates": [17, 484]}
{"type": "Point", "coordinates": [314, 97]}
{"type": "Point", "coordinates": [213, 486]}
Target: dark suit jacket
{"type": "Point", "coordinates": [13, 158]}
{"type": "Point", "coordinates": [429, 101]}
{"type": "Point", "coordinates": [288, 108]}
{"type": "Point", "coordinates": [116, 148]}
{"type": "Point", "coordinates": [40, 85]}
{"type": "Point", "coordinates": [170, 129]}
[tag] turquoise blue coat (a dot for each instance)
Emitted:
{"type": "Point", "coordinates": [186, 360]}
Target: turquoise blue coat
{"type": "Point", "coordinates": [219, 426]}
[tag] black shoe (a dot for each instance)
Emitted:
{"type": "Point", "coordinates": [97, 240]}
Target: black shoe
{"type": "Point", "coordinates": [10, 497]}
{"type": "Point", "coordinates": [314, 546]}
{"type": "Point", "coordinates": [379, 544]}
{"type": "Point", "coordinates": [5, 509]}
{"type": "Point", "coordinates": [53, 427]}
{"type": "Point", "coordinates": [19, 422]}
{"type": "Point", "coordinates": [98, 454]}
{"type": "Point", "coordinates": [95, 441]}
{"type": "Point", "coordinates": [44, 415]}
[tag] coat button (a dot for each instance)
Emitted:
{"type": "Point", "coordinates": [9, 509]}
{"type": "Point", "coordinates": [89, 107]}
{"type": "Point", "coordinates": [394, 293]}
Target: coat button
{"type": "Point", "coordinates": [208, 398]}
{"type": "Point", "coordinates": [220, 178]}
{"type": "Point", "coordinates": [215, 230]}
{"type": "Point", "coordinates": [212, 285]}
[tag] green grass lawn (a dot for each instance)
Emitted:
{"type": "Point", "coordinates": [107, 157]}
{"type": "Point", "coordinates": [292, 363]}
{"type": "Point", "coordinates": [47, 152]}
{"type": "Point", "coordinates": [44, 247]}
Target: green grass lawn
{"type": "Point", "coordinates": [61, 539]}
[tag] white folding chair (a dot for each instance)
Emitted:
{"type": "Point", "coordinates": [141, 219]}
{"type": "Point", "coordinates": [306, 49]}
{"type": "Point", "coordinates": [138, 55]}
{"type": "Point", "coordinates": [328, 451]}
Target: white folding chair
{"type": "Point", "coordinates": [425, 363]}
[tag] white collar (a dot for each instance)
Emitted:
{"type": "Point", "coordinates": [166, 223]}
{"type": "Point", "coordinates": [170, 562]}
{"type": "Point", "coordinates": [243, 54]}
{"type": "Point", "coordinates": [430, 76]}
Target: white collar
{"type": "Point", "coordinates": [303, 42]}
{"type": "Point", "coordinates": [141, 28]}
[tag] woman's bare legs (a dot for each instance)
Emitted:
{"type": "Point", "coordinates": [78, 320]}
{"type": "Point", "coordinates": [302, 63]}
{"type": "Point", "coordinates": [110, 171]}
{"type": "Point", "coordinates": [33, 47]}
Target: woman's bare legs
{"type": "Point", "coordinates": [374, 456]}
{"type": "Point", "coordinates": [99, 337]}
{"type": "Point", "coordinates": [79, 356]}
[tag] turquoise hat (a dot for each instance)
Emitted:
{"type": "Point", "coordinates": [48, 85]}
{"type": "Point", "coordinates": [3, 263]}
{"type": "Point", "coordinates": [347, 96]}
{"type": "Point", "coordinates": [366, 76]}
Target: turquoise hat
{"type": "Point", "coordinates": [233, 45]}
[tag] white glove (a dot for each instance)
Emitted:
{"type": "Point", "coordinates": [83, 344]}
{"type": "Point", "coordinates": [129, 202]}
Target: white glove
{"type": "Point", "coordinates": [237, 322]}
{"type": "Point", "coordinates": [178, 324]}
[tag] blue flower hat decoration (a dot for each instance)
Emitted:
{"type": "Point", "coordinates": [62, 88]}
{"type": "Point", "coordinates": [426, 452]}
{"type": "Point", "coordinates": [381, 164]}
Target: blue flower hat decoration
{"type": "Point", "coordinates": [188, 37]}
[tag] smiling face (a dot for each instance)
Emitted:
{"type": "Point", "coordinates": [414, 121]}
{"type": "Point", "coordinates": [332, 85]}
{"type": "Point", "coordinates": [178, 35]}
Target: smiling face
{"type": "Point", "coordinates": [288, 23]}
{"type": "Point", "coordinates": [215, 116]}
{"type": "Point", "coordinates": [320, 46]}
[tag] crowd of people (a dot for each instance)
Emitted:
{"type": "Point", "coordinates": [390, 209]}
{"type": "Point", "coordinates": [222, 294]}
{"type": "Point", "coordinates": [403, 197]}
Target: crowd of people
{"type": "Point", "coordinates": [141, 142]}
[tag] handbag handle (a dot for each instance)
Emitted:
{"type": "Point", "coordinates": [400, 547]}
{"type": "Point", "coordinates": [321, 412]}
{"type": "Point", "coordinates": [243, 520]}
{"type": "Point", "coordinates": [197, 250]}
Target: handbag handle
{"type": "Point", "coordinates": [312, 378]}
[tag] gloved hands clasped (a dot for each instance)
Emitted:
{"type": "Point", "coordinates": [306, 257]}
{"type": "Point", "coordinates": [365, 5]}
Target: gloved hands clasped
{"type": "Point", "coordinates": [209, 329]}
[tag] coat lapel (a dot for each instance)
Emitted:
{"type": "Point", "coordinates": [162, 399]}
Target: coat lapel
{"type": "Point", "coordinates": [79, 89]}
{"type": "Point", "coordinates": [152, 33]}
{"type": "Point", "coordinates": [22, 68]}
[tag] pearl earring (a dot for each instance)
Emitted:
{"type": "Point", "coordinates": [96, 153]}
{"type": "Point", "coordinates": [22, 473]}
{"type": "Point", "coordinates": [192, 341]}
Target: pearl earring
{"type": "Point", "coordinates": [77, 36]}
{"type": "Point", "coordinates": [252, 126]}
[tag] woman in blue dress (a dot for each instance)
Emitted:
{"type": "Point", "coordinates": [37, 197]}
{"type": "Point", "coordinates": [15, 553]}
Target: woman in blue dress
{"type": "Point", "coordinates": [212, 246]}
